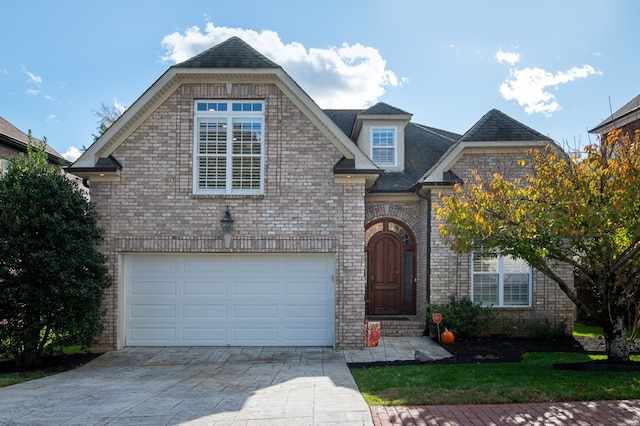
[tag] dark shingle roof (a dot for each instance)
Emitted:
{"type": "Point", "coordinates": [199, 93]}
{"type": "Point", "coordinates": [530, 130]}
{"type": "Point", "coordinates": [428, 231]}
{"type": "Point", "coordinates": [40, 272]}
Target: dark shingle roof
{"type": "Point", "coordinates": [384, 109]}
{"type": "Point", "coordinates": [497, 126]}
{"type": "Point", "coordinates": [630, 107]}
{"type": "Point", "coordinates": [423, 147]}
{"type": "Point", "coordinates": [231, 53]}
{"type": "Point", "coordinates": [17, 139]}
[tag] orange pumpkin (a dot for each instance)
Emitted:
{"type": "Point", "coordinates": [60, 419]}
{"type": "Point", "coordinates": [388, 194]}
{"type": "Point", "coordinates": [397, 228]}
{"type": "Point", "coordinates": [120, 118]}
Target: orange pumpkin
{"type": "Point", "coordinates": [447, 337]}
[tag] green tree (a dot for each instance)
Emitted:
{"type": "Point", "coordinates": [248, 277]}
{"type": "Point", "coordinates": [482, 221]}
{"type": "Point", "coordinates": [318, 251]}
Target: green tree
{"type": "Point", "coordinates": [52, 278]}
{"type": "Point", "coordinates": [583, 210]}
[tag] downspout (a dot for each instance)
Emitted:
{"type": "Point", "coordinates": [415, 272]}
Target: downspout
{"type": "Point", "coordinates": [427, 283]}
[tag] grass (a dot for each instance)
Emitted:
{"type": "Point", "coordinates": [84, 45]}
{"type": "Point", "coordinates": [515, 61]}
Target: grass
{"type": "Point", "coordinates": [580, 329]}
{"type": "Point", "coordinates": [532, 380]}
{"type": "Point", "coordinates": [8, 379]}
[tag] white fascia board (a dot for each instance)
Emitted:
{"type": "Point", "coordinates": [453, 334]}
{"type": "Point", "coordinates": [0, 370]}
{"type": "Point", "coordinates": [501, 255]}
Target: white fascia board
{"type": "Point", "coordinates": [446, 162]}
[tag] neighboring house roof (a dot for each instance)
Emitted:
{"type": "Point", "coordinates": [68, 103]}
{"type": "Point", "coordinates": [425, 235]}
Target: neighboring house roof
{"type": "Point", "coordinates": [423, 145]}
{"type": "Point", "coordinates": [14, 138]}
{"type": "Point", "coordinates": [497, 126]}
{"type": "Point", "coordinates": [232, 61]}
{"type": "Point", "coordinates": [630, 112]}
{"type": "Point", "coordinates": [495, 130]}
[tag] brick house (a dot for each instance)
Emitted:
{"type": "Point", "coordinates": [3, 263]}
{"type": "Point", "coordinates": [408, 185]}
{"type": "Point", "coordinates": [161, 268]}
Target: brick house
{"type": "Point", "coordinates": [626, 118]}
{"type": "Point", "coordinates": [330, 211]}
{"type": "Point", "coordinates": [14, 142]}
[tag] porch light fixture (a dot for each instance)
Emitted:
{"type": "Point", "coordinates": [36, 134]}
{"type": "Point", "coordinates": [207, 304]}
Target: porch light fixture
{"type": "Point", "coordinates": [226, 225]}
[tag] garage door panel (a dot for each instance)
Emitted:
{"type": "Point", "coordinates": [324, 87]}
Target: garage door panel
{"type": "Point", "coordinates": [153, 311]}
{"type": "Point", "coordinates": [204, 266]}
{"type": "Point", "coordinates": [220, 300]}
{"type": "Point", "coordinates": [156, 287]}
{"type": "Point", "coordinates": [204, 312]}
{"type": "Point", "coordinates": [255, 312]}
{"type": "Point", "coordinates": [155, 267]}
{"type": "Point", "coordinates": [204, 287]}
{"type": "Point", "coordinates": [315, 312]}
{"type": "Point", "coordinates": [252, 335]}
{"type": "Point", "coordinates": [311, 287]}
{"type": "Point", "coordinates": [153, 336]}
{"type": "Point", "coordinates": [204, 336]}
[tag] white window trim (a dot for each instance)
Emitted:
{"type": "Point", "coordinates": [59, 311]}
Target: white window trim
{"type": "Point", "coordinates": [501, 274]}
{"type": "Point", "coordinates": [395, 145]}
{"type": "Point", "coordinates": [229, 115]}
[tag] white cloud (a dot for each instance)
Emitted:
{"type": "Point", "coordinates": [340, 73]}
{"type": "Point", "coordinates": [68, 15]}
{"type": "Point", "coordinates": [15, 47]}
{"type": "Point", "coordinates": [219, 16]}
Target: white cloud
{"type": "Point", "coordinates": [52, 118]}
{"type": "Point", "coordinates": [529, 87]}
{"type": "Point", "coordinates": [33, 92]}
{"type": "Point", "coordinates": [349, 76]}
{"type": "Point", "coordinates": [32, 77]}
{"type": "Point", "coordinates": [510, 58]}
{"type": "Point", "coordinates": [72, 153]}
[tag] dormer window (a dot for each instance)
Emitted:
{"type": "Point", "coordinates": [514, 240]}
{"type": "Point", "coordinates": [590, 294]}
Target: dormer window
{"type": "Point", "coordinates": [384, 146]}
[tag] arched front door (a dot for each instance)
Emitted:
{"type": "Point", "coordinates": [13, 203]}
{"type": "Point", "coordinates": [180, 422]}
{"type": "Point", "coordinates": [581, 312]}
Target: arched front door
{"type": "Point", "coordinates": [391, 283]}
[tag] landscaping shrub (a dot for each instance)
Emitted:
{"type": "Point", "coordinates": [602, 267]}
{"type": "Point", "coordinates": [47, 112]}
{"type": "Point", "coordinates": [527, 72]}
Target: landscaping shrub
{"type": "Point", "coordinates": [463, 317]}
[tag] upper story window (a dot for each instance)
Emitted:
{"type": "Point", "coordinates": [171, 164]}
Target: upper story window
{"type": "Point", "coordinates": [501, 281]}
{"type": "Point", "coordinates": [384, 146]}
{"type": "Point", "coordinates": [228, 147]}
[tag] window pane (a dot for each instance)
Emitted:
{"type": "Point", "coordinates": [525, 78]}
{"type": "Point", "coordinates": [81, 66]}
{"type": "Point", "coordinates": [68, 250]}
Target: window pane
{"type": "Point", "coordinates": [383, 137]}
{"type": "Point", "coordinates": [246, 173]}
{"type": "Point", "coordinates": [485, 289]}
{"type": "Point", "coordinates": [212, 173]}
{"type": "Point", "coordinates": [511, 264]}
{"type": "Point", "coordinates": [212, 136]}
{"type": "Point", "coordinates": [247, 136]}
{"type": "Point", "coordinates": [408, 278]}
{"type": "Point", "coordinates": [516, 290]}
{"type": "Point", "coordinates": [404, 235]}
{"type": "Point", "coordinates": [485, 263]}
{"type": "Point", "coordinates": [382, 156]}
{"type": "Point", "coordinates": [374, 229]}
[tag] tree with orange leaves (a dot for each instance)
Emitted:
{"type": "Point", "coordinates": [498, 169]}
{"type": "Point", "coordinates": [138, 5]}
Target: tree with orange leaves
{"type": "Point", "coordinates": [583, 210]}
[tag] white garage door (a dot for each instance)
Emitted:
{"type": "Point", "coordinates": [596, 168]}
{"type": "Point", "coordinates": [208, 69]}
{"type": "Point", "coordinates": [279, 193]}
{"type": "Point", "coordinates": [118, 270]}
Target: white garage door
{"type": "Point", "coordinates": [236, 300]}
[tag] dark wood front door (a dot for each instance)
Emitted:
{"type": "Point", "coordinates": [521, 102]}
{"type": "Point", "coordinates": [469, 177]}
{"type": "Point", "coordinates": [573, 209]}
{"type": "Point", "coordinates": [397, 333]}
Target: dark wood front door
{"type": "Point", "coordinates": [385, 274]}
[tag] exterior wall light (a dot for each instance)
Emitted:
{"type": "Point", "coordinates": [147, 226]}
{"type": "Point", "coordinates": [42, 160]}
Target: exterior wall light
{"type": "Point", "coordinates": [226, 225]}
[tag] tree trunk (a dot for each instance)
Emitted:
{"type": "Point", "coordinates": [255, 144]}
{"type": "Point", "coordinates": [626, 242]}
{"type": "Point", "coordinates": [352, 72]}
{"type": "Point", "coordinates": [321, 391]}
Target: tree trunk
{"type": "Point", "coordinates": [615, 336]}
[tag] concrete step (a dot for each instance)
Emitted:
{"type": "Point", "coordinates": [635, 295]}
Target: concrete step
{"type": "Point", "coordinates": [399, 326]}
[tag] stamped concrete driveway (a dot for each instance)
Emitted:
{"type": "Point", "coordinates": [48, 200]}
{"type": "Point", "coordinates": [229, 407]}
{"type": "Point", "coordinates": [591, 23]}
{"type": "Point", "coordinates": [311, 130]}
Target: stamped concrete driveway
{"type": "Point", "coordinates": [194, 386]}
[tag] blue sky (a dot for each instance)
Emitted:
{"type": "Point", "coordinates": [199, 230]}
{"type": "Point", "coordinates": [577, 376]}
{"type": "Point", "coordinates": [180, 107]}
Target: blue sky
{"type": "Point", "coordinates": [556, 66]}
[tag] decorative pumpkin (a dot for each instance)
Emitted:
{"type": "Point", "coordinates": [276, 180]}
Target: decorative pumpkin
{"type": "Point", "coordinates": [447, 337]}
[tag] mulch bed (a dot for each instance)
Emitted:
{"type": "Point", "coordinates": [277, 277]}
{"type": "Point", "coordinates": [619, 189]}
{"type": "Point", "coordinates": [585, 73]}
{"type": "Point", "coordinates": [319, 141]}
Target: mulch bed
{"type": "Point", "coordinates": [486, 350]}
{"type": "Point", "coordinates": [54, 364]}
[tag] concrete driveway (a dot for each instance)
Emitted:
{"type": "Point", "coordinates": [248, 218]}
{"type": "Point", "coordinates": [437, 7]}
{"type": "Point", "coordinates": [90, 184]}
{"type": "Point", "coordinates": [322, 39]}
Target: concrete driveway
{"type": "Point", "coordinates": [194, 386]}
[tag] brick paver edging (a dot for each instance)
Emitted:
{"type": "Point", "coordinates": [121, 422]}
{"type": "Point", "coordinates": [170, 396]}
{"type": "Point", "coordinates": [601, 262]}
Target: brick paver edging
{"type": "Point", "coordinates": [592, 413]}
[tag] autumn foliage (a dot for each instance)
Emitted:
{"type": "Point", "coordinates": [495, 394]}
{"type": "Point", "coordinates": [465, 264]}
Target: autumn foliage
{"type": "Point", "coordinates": [581, 209]}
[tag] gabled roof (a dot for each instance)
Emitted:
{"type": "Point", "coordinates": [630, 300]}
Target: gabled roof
{"type": "Point", "coordinates": [382, 108]}
{"type": "Point", "coordinates": [628, 113]}
{"type": "Point", "coordinates": [497, 126]}
{"type": "Point", "coordinates": [423, 145]}
{"type": "Point", "coordinates": [18, 140]}
{"type": "Point", "coordinates": [232, 53]}
{"type": "Point", "coordinates": [230, 62]}
{"type": "Point", "coordinates": [494, 131]}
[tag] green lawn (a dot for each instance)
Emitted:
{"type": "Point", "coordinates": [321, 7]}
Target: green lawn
{"type": "Point", "coordinates": [532, 380]}
{"type": "Point", "coordinates": [8, 379]}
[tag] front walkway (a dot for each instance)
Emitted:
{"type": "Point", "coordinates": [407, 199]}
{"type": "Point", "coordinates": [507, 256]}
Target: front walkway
{"type": "Point", "coordinates": [593, 413]}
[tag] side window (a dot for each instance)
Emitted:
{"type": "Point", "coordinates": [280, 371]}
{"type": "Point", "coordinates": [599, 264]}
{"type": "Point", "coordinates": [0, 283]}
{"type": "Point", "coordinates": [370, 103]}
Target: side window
{"type": "Point", "coordinates": [383, 146]}
{"type": "Point", "coordinates": [228, 147]}
{"type": "Point", "coordinates": [501, 281]}
{"type": "Point", "coordinates": [4, 165]}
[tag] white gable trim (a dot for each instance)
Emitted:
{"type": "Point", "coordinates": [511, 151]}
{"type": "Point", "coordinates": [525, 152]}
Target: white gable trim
{"type": "Point", "coordinates": [451, 157]}
{"type": "Point", "coordinates": [171, 80]}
